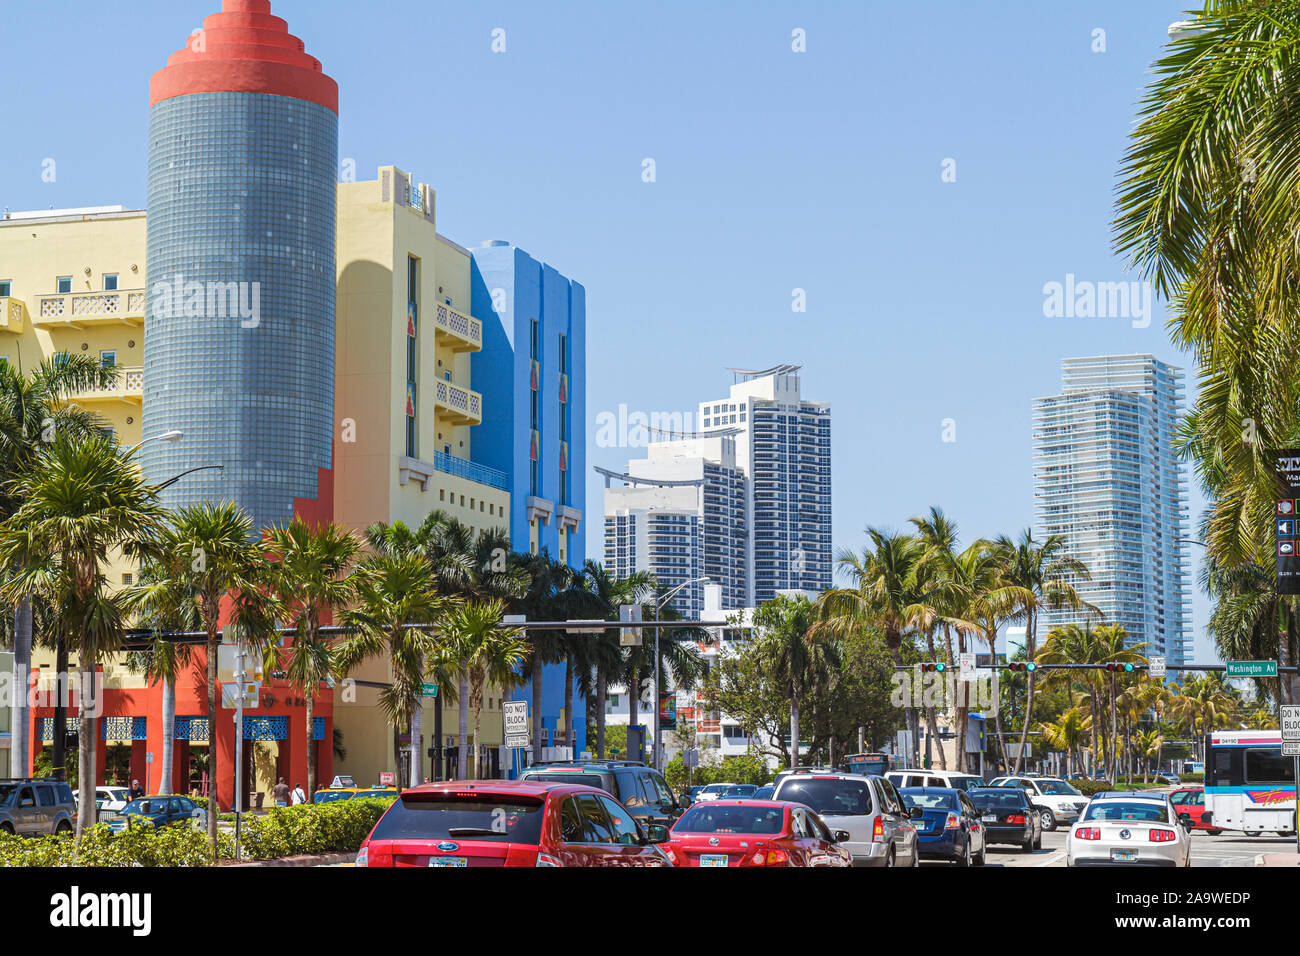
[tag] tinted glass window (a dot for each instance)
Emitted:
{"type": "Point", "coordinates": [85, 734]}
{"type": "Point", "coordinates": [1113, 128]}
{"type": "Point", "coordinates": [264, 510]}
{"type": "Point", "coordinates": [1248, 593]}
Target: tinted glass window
{"type": "Point", "coordinates": [630, 790]}
{"type": "Point", "coordinates": [928, 800]}
{"type": "Point", "coordinates": [830, 797]}
{"type": "Point", "coordinates": [45, 795]}
{"type": "Point", "coordinates": [665, 795]}
{"type": "Point", "coordinates": [571, 822]}
{"type": "Point", "coordinates": [26, 798]}
{"type": "Point", "coordinates": [479, 817]}
{"type": "Point", "coordinates": [625, 830]}
{"type": "Point", "coordinates": [329, 796]}
{"type": "Point", "coordinates": [711, 818]}
{"type": "Point", "coordinates": [595, 825]}
{"type": "Point", "coordinates": [1057, 788]}
{"type": "Point", "coordinates": [1002, 799]}
{"type": "Point", "coordinates": [1120, 812]}
{"type": "Point", "coordinates": [577, 779]}
{"type": "Point", "coordinates": [1269, 766]}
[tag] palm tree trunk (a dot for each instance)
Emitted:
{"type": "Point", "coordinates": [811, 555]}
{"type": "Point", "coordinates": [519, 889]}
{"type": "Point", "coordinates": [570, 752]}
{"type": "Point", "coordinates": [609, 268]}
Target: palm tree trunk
{"type": "Point", "coordinates": [571, 737]}
{"type": "Point", "coordinates": [86, 742]}
{"type": "Point", "coordinates": [462, 729]}
{"type": "Point", "coordinates": [416, 720]}
{"type": "Point", "coordinates": [1114, 730]}
{"type": "Point", "coordinates": [600, 711]}
{"type": "Point", "coordinates": [794, 728]}
{"type": "Point", "coordinates": [963, 708]}
{"type": "Point", "coordinates": [397, 754]}
{"type": "Point", "coordinates": [19, 761]}
{"type": "Point", "coordinates": [537, 706]}
{"type": "Point", "coordinates": [168, 735]}
{"type": "Point", "coordinates": [478, 712]}
{"type": "Point", "coordinates": [633, 696]}
{"type": "Point", "coordinates": [213, 807]}
{"type": "Point", "coordinates": [310, 699]}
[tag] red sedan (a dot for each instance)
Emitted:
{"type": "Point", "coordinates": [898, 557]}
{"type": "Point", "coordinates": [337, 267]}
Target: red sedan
{"type": "Point", "coordinates": [754, 833]}
{"type": "Point", "coordinates": [1191, 801]}
{"type": "Point", "coordinates": [510, 823]}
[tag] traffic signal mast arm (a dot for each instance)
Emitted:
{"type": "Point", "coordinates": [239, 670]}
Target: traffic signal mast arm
{"type": "Point", "coordinates": [1112, 666]}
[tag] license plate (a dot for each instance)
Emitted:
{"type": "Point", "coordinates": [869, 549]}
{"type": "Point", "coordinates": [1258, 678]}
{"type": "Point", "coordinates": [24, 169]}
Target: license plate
{"type": "Point", "coordinates": [448, 861]}
{"type": "Point", "coordinates": [990, 818]}
{"type": "Point", "coordinates": [710, 859]}
{"type": "Point", "coordinates": [1123, 856]}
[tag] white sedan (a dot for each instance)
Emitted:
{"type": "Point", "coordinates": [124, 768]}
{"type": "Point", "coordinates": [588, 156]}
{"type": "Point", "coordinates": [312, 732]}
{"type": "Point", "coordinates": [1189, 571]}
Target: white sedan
{"type": "Point", "coordinates": [1129, 829]}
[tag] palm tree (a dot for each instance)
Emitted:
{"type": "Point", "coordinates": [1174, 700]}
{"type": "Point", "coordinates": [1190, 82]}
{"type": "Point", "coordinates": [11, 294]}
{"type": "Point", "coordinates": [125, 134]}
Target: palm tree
{"type": "Point", "coordinates": [489, 654]}
{"type": "Point", "coordinates": [546, 598]}
{"type": "Point", "coordinates": [884, 592]}
{"type": "Point", "coordinates": [394, 589]}
{"type": "Point", "coordinates": [1067, 733]}
{"type": "Point", "coordinates": [939, 534]}
{"type": "Point", "coordinates": [796, 652]}
{"type": "Point", "coordinates": [1204, 703]}
{"type": "Point", "coordinates": [33, 410]}
{"type": "Point", "coordinates": [1046, 572]}
{"type": "Point", "coordinates": [1150, 743]}
{"type": "Point", "coordinates": [310, 576]}
{"type": "Point", "coordinates": [79, 501]}
{"type": "Point", "coordinates": [208, 548]}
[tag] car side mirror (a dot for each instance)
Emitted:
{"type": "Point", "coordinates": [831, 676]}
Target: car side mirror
{"type": "Point", "coordinates": [1186, 820]}
{"type": "Point", "coordinates": [843, 836]}
{"type": "Point", "coordinates": [915, 813]}
{"type": "Point", "coordinates": [656, 833]}
{"type": "Point", "coordinates": [684, 801]}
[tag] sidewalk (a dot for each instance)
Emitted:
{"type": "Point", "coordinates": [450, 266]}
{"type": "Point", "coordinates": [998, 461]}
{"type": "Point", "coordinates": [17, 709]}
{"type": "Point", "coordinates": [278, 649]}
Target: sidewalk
{"type": "Point", "coordinates": [1278, 859]}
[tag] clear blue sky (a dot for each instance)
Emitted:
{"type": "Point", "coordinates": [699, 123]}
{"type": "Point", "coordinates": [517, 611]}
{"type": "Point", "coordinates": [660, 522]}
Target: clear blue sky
{"type": "Point", "coordinates": [775, 171]}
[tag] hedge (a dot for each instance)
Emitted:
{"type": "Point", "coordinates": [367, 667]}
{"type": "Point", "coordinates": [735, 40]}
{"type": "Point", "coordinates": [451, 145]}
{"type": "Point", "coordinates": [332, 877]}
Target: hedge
{"type": "Point", "coordinates": [338, 827]}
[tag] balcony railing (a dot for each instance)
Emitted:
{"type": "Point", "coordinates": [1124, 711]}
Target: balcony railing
{"type": "Point", "coordinates": [465, 333]}
{"type": "Point", "coordinates": [129, 389]}
{"type": "Point", "coordinates": [472, 471]}
{"type": "Point", "coordinates": [461, 405]}
{"type": "Point", "coordinates": [78, 309]}
{"type": "Point", "coordinates": [12, 315]}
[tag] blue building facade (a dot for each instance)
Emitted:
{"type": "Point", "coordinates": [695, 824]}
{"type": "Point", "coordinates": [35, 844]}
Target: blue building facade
{"type": "Point", "coordinates": [533, 364]}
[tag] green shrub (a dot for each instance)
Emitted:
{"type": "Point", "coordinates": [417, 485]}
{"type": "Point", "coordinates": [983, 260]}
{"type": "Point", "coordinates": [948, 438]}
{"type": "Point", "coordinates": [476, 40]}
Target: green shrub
{"type": "Point", "coordinates": [338, 827]}
{"type": "Point", "coordinates": [99, 847]}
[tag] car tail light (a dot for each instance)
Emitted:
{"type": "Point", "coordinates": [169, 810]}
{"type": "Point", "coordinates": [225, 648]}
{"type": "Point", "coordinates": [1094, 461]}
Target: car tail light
{"type": "Point", "coordinates": [878, 830]}
{"type": "Point", "coordinates": [769, 858]}
{"type": "Point", "coordinates": [1162, 836]}
{"type": "Point", "coordinates": [953, 822]}
{"type": "Point", "coordinates": [1016, 818]}
{"type": "Point", "coordinates": [1088, 833]}
{"type": "Point", "coordinates": [363, 856]}
{"type": "Point", "coordinates": [545, 859]}
{"type": "Point", "coordinates": [672, 856]}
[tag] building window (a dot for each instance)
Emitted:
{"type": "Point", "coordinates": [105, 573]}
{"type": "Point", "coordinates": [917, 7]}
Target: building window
{"type": "Point", "coordinates": [63, 284]}
{"type": "Point", "coordinates": [6, 286]}
{"type": "Point", "coordinates": [535, 385]}
{"type": "Point", "coordinates": [412, 355]}
{"type": "Point", "coordinates": [564, 419]}
{"type": "Point", "coordinates": [110, 281]}
{"type": "Point", "coordinates": [126, 577]}
{"type": "Point", "coordinates": [108, 358]}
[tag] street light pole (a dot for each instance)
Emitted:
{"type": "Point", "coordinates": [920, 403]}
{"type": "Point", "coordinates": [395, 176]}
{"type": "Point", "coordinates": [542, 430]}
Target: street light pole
{"type": "Point", "coordinates": [657, 759]}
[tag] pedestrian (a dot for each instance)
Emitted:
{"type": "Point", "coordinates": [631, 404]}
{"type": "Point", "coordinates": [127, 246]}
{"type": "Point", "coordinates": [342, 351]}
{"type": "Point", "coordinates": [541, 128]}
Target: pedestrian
{"type": "Point", "coordinates": [280, 793]}
{"type": "Point", "coordinates": [299, 794]}
{"type": "Point", "coordinates": [135, 790]}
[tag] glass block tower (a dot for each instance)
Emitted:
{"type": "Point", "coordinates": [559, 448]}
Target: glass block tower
{"type": "Point", "coordinates": [239, 332]}
{"type": "Point", "coordinates": [1107, 481]}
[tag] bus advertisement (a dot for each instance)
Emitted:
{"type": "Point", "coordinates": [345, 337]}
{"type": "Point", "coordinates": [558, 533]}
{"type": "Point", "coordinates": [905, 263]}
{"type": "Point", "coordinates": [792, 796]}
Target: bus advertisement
{"type": "Point", "coordinates": [1249, 785]}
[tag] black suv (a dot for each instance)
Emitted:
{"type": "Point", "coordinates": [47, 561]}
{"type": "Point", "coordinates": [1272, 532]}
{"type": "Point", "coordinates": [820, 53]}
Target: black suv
{"type": "Point", "coordinates": [641, 789]}
{"type": "Point", "coordinates": [35, 806]}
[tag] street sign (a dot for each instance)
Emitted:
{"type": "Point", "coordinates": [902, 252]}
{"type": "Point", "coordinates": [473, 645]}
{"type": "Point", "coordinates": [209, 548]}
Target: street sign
{"type": "Point", "coordinates": [967, 664]}
{"type": "Point", "coordinates": [691, 758]}
{"type": "Point", "coordinates": [1155, 666]}
{"type": "Point", "coordinates": [226, 663]}
{"type": "Point", "coordinates": [230, 694]}
{"type": "Point", "coordinates": [1291, 748]}
{"type": "Point", "coordinates": [629, 636]}
{"type": "Point", "coordinates": [1251, 668]}
{"type": "Point", "coordinates": [1286, 474]}
{"type": "Point", "coordinates": [1290, 714]}
{"type": "Point", "coordinates": [514, 714]}
{"type": "Point", "coordinates": [386, 778]}
{"type": "Point", "coordinates": [428, 690]}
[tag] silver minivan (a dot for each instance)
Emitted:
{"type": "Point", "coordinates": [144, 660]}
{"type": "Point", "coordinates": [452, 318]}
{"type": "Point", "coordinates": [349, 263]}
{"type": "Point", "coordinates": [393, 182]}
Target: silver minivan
{"type": "Point", "coordinates": [880, 828]}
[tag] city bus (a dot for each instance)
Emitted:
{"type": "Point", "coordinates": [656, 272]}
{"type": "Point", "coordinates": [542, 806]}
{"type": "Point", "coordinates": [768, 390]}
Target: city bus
{"type": "Point", "coordinates": [1249, 785]}
{"type": "Point", "coordinates": [876, 764]}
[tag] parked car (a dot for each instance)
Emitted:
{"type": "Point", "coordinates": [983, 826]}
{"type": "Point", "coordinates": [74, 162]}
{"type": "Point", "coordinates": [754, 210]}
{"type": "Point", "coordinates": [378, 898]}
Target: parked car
{"type": "Point", "coordinates": [868, 808]}
{"type": "Point", "coordinates": [158, 810]}
{"type": "Point", "coordinates": [510, 823]}
{"type": "Point", "coordinates": [1130, 829]}
{"type": "Point", "coordinates": [947, 825]}
{"type": "Point", "coordinates": [643, 790]}
{"type": "Point", "coordinates": [1008, 816]}
{"type": "Point", "coordinates": [110, 800]}
{"type": "Point", "coordinates": [754, 833]}
{"type": "Point", "coordinates": [334, 794]}
{"type": "Point", "coordinates": [35, 806]}
{"type": "Point", "coordinates": [689, 795]}
{"type": "Point", "coordinates": [934, 778]}
{"type": "Point", "coordinates": [713, 791]}
{"type": "Point", "coordinates": [1191, 801]}
{"type": "Point", "coordinates": [1057, 801]}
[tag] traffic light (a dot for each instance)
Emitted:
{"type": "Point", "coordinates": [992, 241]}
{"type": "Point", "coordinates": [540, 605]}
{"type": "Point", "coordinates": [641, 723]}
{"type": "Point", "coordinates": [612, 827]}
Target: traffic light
{"type": "Point", "coordinates": [934, 666]}
{"type": "Point", "coordinates": [1022, 666]}
{"type": "Point", "coordinates": [1125, 668]}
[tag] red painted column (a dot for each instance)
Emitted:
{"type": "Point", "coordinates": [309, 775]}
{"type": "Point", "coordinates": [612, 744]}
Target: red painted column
{"type": "Point", "coordinates": [222, 742]}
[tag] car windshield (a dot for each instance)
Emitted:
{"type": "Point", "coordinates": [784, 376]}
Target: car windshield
{"type": "Point", "coordinates": [478, 816]}
{"type": "Point", "coordinates": [828, 796]}
{"type": "Point", "coordinates": [376, 793]}
{"type": "Point", "coordinates": [1002, 798]}
{"type": "Point", "coordinates": [1120, 811]}
{"type": "Point", "coordinates": [577, 779]}
{"type": "Point", "coordinates": [145, 805]}
{"type": "Point", "coordinates": [329, 796]}
{"type": "Point", "coordinates": [966, 783]}
{"type": "Point", "coordinates": [7, 792]}
{"type": "Point", "coordinates": [740, 790]}
{"type": "Point", "coordinates": [927, 801]}
{"type": "Point", "coordinates": [1056, 787]}
{"type": "Point", "coordinates": [717, 788]}
{"type": "Point", "coordinates": [710, 818]}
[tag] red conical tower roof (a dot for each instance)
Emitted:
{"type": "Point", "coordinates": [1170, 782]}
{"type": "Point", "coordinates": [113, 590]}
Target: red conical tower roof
{"type": "Point", "coordinates": [243, 49]}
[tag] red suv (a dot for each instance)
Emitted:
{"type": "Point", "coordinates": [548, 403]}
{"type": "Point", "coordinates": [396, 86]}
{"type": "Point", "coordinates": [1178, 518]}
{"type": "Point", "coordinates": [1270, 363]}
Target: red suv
{"type": "Point", "coordinates": [1191, 801]}
{"type": "Point", "coordinates": [510, 823]}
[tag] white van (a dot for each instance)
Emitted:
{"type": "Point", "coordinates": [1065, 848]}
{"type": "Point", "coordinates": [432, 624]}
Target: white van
{"type": "Point", "coordinates": [948, 779]}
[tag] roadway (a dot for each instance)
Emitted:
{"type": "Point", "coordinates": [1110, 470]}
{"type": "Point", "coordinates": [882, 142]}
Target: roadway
{"type": "Point", "coordinates": [1229, 849]}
